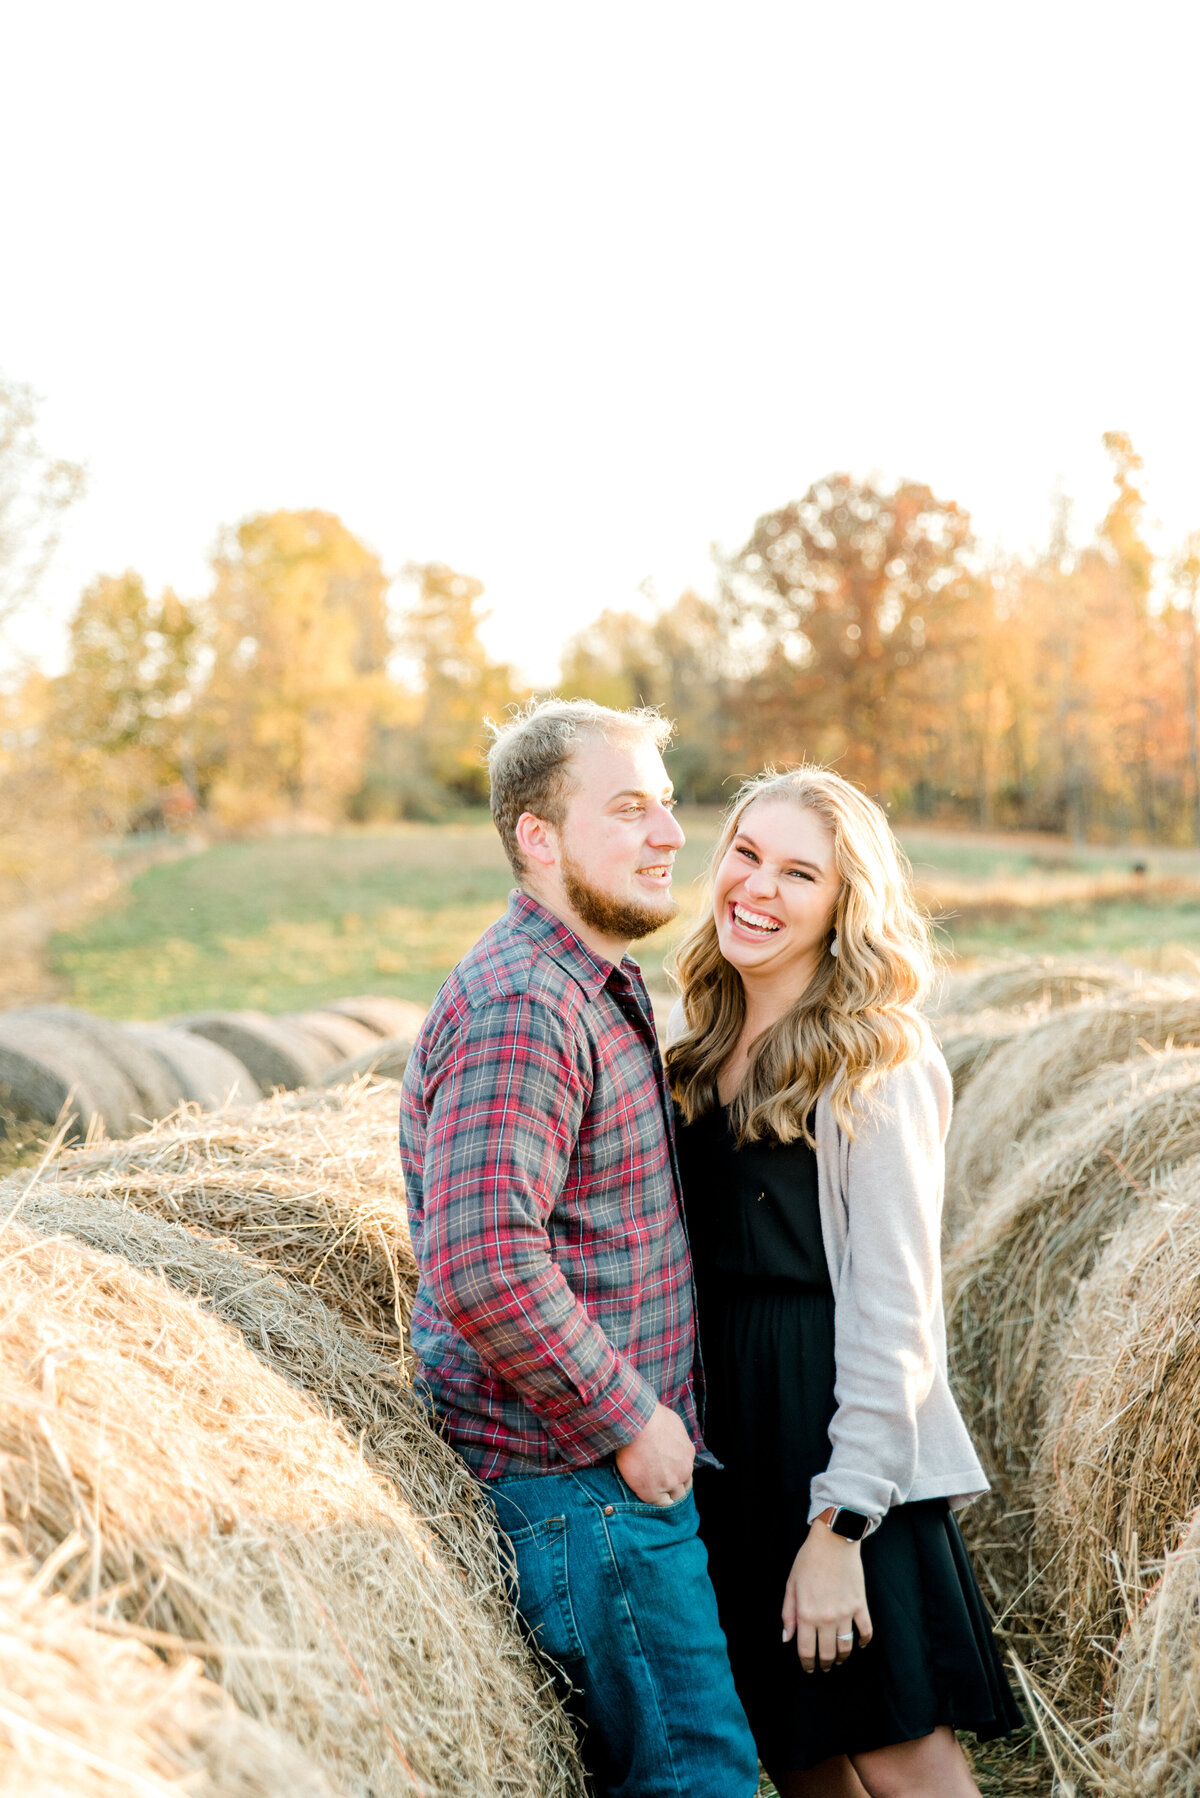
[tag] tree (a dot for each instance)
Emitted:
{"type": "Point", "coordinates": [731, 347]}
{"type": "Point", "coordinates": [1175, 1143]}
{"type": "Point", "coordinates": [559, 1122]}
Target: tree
{"type": "Point", "coordinates": [678, 662]}
{"type": "Point", "coordinates": [1185, 574]}
{"type": "Point", "coordinates": [129, 662]}
{"type": "Point", "coordinates": [296, 633]}
{"type": "Point", "coordinates": [120, 719]}
{"type": "Point", "coordinates": [35, 491]}
{"type": "Point", "coordinates": [847, 591]}
{"type": "Point", "coordinates": [460, 686]}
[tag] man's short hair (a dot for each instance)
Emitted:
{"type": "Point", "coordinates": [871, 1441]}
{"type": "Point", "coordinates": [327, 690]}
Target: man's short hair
{"type": "Point", "coordinates": [529, 760]}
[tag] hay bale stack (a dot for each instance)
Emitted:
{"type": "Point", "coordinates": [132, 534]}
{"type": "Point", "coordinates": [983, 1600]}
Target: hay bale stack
{"type": "Point", "coordinates": [1012, 1278]}
{"type": "Point", "coordinates": [147, 1456]}
{"type": "Point", "coordinates": [386, 1017]}
{"type": "Point", "coordinates": [387, 1059]}
{"type": "Point", "coordinates": [278, 1059]}
{"type": "Point", "coordinates": [1043, 983]}
{"type": "Point", "coordinates": [1040, 1068]}
{"type": "Point", "coordinates": [157, 1090]}
{"type": "Point", "coordinates": [308, 1182]}
{"type": "Point", "coordinates": [90, 1714]}
{"type": "Point", "coordinates": [51, 1073]}
{"type": "Point", "coordinates": [340, 1037]}
{"type": "Point", "coordinates": [1154, 1743]}
{"type": "Point", "coordinates": [969, 1042]}
{"type": "Point", "coordinates": [1118, 1471]}
{"type": "Point", "coordinates": [301, 1339]}
{"type": "Point", "coordinates": [208, 1075]}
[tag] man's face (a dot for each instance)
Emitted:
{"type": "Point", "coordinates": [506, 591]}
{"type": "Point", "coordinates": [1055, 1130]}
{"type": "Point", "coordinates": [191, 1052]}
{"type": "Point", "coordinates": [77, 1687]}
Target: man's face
{"type": "Point", "coordinates": [617, 843]}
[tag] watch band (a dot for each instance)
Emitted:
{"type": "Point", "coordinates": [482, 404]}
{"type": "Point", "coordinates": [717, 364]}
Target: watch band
{"type": "Point", "coordinates": [851, 1526]}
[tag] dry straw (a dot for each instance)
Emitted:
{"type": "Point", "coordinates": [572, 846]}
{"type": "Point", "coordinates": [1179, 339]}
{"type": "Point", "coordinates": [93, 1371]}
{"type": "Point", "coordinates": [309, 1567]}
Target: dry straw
{"type": "Point", "coordinates": [200, 1504]}
{"type": "Point", "coordinates": [308, 1182]}
{"type": "Point", "coordinates": [1039, 1069]}
{"type": "Point", "coordinates": [85, 1713]}
{"type": "Point", "coordinates": [1154, 1746]}
{"type": "Point", "coordinates": [968, 1043]}
{"type": "Point", "coordinates": [1040, 982]}
{"type": "Point", "coordinates": [1118, 1471]}
{"type": "Point", "coordinates": [301, 1339]}
{"type": "Point", "coordinates": [1011, 1280]}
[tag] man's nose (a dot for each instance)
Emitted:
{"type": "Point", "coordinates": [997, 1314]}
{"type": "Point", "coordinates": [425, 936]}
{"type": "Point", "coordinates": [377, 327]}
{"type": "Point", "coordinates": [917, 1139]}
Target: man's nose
{"type": "Point", "coordinates": [668, 834]}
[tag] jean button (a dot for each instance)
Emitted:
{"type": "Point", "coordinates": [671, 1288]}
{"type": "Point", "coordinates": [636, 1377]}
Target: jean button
{"type": "Point", "coordinates": [608, 1510]}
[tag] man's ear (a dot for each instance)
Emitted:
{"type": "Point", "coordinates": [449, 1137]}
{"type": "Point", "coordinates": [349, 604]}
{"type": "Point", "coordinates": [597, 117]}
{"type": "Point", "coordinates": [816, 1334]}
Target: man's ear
{"type": "Point", "coordinates": [536, 840]}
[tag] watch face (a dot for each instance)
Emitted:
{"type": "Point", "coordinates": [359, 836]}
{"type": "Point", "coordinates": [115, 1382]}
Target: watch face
{"type": "Point", "coordinates": [851, 1524]}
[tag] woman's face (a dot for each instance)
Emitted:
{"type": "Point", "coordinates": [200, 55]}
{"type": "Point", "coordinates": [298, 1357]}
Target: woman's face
{"type": "Point", "coordinates": [775, 892]}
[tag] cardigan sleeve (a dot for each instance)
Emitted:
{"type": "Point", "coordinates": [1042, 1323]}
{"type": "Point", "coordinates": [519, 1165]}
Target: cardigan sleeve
{"type": "Point", "coordinates": [888, 1321]}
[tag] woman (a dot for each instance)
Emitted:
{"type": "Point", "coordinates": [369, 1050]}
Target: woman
{"type": "Point", "coordinates": [813, 1109]}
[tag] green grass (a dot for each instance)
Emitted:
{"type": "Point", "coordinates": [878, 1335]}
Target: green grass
{"type": "Point", "coordinates": [289, 921]}
{"type": "Point", "coordinates": [286, 922]}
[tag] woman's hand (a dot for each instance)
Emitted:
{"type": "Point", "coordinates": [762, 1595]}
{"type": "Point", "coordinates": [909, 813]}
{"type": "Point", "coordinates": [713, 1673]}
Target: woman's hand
{"type": "Point", "coordinates": [826, 1601]}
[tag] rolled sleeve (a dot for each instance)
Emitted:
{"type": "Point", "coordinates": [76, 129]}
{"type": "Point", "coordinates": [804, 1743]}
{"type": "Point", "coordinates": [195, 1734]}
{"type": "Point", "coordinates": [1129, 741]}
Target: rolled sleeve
{"type": "Point", "coordinates": [504, 1115]}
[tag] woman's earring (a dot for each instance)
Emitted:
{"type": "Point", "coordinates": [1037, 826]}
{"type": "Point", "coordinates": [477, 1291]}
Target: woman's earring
{"type": "Point", "coordinates": [833, 945]}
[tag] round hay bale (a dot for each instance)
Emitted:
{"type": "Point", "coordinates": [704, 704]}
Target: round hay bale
{"type": "Point", "coordinates": [90, 1714]}
{"type": "Point", "coordinates": [1039, 982]}
{"type": "Point", "coordinates": [286, 1325]}
{"type": "Point", "coordinates": [209, 1075]}
{"type": "Point", "coordinates": [309, 1183]}
{"type": "Point", "coordinates": [388, 1059]}
{"type": "Point", "coordinates": [968, 1043]}
{"type": "Point", "coordinates": [48, 1071]}
{"type": "Point", "coordinates": [1117, 1475]}
{"type": "Point", "coordinates": [147, 1455]}
{"type": "Point", "coordinates": [276, 1058]}
{"type": "Point", "coordinates": [340, 1037]}
{"type": "Point", "coordinates": [386, 1017]}
{"type": "Point", "coordinates": [158, 1091]}
{"type": "Point", "coordinates": [1153, 1746]}
{"type": "Point", "coordinates": [1012, 1278]}
{"type": "Point", "coordinates": [1038, 1069]}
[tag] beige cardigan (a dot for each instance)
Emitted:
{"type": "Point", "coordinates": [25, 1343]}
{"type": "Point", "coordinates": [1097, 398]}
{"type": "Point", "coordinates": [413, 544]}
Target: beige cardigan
{"type": "Point", "coordinates": [897, 1435]}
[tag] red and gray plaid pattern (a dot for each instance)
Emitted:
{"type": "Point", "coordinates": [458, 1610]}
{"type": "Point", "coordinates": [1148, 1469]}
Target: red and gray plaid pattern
{"type": "Point", "coordinates": [555, 1301]}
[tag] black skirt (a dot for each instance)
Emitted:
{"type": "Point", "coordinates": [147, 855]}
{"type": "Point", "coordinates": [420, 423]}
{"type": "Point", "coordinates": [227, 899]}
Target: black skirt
{"type": "Point", "coordinates": [765, 1308]}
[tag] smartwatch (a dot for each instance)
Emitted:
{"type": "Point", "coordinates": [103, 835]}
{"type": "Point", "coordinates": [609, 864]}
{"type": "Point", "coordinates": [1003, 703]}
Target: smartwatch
{"type": "Point", "coordinates": [852, 1526]}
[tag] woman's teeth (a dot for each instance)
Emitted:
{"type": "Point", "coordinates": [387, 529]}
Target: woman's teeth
{"type": "Point", "coordinates": [754, 920]}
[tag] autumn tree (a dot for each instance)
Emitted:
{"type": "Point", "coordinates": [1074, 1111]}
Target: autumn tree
{"type": "Point", "coordinates": [296, 632]}
{"type": "Point", "coordinates": [458, 686]}
{"type": "Point", "coordinates": [35, 491]}
{"type": "Point", "coordinates": [847, 591]}
{"type": "Point", "coordinates": [121, 712]}
{"type": "Point", "coordinates": [679, 662]}
{"type": "Point", "coordinates": [1185, 610]}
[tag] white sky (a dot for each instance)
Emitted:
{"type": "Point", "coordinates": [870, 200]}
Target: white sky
{"type": "Point", "coordinates": [560, 293]}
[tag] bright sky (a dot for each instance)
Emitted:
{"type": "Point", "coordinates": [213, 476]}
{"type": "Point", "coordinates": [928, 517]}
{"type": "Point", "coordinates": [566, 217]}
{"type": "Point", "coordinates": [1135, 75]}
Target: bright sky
{"type": "Point", "coordinates": [562, 293]}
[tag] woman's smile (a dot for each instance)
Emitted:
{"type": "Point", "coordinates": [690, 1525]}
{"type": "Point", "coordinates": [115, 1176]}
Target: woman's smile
{"type": "Point", "coordinates": [751, 922]}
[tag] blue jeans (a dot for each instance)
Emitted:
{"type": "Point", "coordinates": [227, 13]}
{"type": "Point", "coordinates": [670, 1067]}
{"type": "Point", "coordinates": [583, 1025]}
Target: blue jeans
{"type": "Point", "coordinates": [617, 1592]}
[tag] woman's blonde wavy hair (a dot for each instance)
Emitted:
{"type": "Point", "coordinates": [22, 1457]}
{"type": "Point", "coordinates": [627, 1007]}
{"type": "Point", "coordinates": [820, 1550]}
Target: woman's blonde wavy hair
{"type": "Point", "coordinates": [859, 1015]}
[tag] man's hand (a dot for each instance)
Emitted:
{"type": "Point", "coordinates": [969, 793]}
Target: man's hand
{"type": "Point", "coordinates": [657, 1465]}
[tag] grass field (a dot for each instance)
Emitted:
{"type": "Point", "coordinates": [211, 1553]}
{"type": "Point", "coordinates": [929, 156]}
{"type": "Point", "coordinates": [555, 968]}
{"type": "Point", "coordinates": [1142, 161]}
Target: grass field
{"type": "Point", "coordinates": [282, 922]}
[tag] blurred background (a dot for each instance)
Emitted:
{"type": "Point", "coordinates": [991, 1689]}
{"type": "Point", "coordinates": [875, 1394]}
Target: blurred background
{"type": "Point", "coordinates": [826, 379]}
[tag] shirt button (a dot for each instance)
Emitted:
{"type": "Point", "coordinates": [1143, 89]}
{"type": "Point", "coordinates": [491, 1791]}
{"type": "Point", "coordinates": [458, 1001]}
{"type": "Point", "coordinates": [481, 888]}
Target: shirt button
{"type": "Point", "coordinates": [608, 1510]}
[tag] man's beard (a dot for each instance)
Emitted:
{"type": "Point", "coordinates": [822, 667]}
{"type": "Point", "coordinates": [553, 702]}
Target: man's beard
{"type": "Point", "coordinates": [625, 919]}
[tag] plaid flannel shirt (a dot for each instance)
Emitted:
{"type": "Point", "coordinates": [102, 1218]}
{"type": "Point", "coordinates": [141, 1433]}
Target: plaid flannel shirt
{"type": "Point", "coordinates": [555, 1305]}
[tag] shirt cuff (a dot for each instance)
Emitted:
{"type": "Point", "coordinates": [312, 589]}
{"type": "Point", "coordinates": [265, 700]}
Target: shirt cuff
{"type": "Point", "coordinates": [610, 1419]}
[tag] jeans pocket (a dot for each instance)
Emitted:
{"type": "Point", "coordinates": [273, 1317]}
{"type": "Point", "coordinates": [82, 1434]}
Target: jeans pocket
{"type": "Point", "coordinates": [632, 1502]}
{"type": "Point", "coordinates": [543, 1594]}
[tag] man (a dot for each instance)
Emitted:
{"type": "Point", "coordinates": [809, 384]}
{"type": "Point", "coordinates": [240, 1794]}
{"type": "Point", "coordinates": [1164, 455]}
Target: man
{"type": "Point", "coordinates": [553, 1322]}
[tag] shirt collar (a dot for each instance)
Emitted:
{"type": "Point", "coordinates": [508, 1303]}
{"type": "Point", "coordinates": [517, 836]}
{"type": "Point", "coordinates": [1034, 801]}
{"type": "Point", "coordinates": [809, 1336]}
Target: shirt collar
{"type": "Point", "coordinates": [563, 946]}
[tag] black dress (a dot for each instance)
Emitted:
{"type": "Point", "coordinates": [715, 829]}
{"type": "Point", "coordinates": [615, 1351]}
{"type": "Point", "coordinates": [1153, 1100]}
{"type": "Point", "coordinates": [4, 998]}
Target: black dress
{"type": "Point", "coordinates": [765, 1305]}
